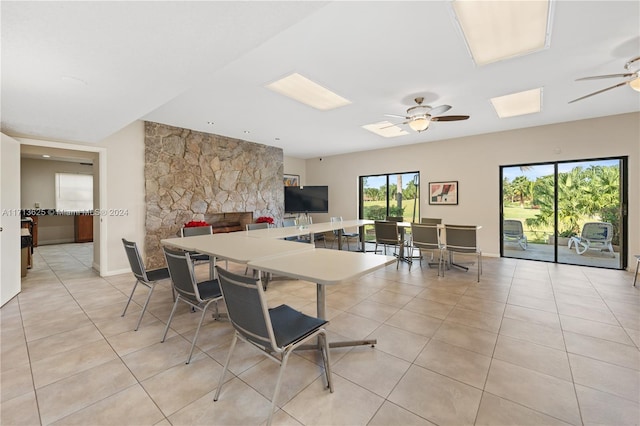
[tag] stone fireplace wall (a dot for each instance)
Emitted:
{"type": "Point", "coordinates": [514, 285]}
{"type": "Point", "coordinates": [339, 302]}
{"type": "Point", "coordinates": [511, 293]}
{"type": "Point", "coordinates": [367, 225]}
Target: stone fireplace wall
{"type": "Point", "coordinates": [192, 175]}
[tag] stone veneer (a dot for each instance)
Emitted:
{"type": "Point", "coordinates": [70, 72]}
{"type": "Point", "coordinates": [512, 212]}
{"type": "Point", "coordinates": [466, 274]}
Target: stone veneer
{"type": "Point", "coordinates": [192, 175]}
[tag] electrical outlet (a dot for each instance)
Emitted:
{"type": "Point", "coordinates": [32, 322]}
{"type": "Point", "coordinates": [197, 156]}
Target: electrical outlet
{"type": "Point", "coordinates": [37, 205]}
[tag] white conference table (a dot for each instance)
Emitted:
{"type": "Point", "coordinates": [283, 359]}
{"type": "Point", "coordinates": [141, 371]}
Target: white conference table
{"type": "Point", "coordinates": [288, 258]}
{"type": "Point", "coordinates": [237, 248]}
{"type": "Point", "coordinates": [314, 228]}
{"type": "Point", "coordinates": [324, 267]}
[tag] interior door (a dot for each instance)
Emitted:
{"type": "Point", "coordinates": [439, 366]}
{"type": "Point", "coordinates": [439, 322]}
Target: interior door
{"type": "Point", "coordinates": [9, 218]}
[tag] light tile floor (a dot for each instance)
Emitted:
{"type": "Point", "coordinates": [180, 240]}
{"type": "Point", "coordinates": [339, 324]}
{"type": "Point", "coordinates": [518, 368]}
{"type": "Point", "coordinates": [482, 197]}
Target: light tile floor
{"type": "Point", "coordinates": [533, 343]}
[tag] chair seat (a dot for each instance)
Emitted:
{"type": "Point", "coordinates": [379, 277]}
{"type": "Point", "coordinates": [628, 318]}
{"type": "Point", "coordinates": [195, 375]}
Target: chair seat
{"type": "Point", "coordinates": [290, 325]}
{"type": "Point", "coordinates": [198, 257]}
{"type": "Point", "coordinates": [158, 274]}
{"type": "Point", "coordinates": [209, 289]}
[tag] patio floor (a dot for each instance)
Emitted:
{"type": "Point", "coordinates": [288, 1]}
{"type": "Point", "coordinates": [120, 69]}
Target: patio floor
{"type": "Point", "coordinates": [565, 255]}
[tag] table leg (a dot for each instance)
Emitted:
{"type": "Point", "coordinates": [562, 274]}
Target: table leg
{"type": "Point", "coordinates": [321, 313]}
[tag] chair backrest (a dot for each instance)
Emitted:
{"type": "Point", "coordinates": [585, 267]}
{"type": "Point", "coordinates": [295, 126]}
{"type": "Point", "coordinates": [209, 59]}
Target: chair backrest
{"type": "Point", "coordinates": [461, 238]}
{"type": "Point", "coordinates": [336, 219]}
{"type": "Point", "coordinates": [598, 231]}
{"type": "Point", "coordinates": [196, 230]}
{"type": "Point", "coordinates": [137, 267]}
{"type": "Point", "coordinates": [395, 219]}
{"type": "Point", "coordinates": [305, 220]}
{"type": "Point", "coordinates": [181, 272]}
{"type": "Point", "coordinates": [247, 308]}
{"type": "Point", "coordinates": [431, 220]}
{"type": "Point", "coordinates": [512, 228]}
{"type": "Point", "coordinates": [252, 226]}
{"type": "Point", "coordinates": [425, 235]}
{"type": "Point", "coordinates": [289, 222]}
{"type": "Point", "coordinates": [386, 232]}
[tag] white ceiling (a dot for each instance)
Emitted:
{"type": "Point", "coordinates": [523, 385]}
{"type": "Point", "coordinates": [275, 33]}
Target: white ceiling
{"type": "Point", "coordinates": [80, 71]}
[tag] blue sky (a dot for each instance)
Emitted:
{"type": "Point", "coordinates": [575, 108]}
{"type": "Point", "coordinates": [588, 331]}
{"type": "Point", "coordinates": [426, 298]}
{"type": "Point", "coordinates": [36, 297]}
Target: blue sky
{"type": "Point", "coordinates": [547, 169]}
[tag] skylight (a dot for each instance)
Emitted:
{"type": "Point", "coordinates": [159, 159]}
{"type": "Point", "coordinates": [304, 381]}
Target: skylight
{"type": "Point", "coordinates": [301, 89]}
{"type": "Point", "coordinates": [497, 30]}
{"type": "Point", "coordinates": [521, 103]}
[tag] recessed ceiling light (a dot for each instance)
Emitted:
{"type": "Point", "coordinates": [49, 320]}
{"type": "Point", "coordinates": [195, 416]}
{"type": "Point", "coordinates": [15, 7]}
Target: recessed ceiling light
{"type": "Point", "coordinates": [300, 88]}
{"type": "Point", "coordinates": [521, 103]}
{"type": "Point", "coordinates": [46, 156]}
{"type": "Point", "coordinates": [385, 129]}
{"type": "Point", "coordinates": [497, 30]}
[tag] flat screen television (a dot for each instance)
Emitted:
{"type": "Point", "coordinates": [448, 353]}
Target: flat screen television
{"type": "Point", "coordinates": [306, 199]}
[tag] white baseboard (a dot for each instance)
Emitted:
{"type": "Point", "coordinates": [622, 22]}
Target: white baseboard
{"type": "Point", "coordinates": [115, 272]}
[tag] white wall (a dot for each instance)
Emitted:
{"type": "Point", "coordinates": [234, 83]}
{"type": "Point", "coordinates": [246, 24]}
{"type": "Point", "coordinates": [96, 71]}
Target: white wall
{"type": "Point", "coordinates": [37, 180]}
{"type": "Point", "coordinates": [10, 241]}
{"type": "Point", "coordinates": [125, 192]}
{"type": "Point", "coordinates": [474, 162]}
{"type": "Point", "coordinates": [295, 166]}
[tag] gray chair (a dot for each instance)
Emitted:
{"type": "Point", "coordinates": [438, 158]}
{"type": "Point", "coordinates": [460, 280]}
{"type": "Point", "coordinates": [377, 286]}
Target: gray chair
{"type": "Point", "coordinates": [462, 239]}
{"type": "Point", "coordinates": [197, 295]}
{"type": "Point", "coordinates": [395, 219]}
{"type": "Point", "coordinates": [635, 277]}
{"type": "Point", "coordinates": [289, 222]}
{"type": "Point", "coordinates": [252, 226]}
{"type": "Point", "coordinates": [431, 220]}
{"type": "Point", "coordinates": [148, 279]}
{"type": "Point", "coordinates": [276, 332]}
{"type": "Point", "coordinates": [200, 257]}
{"type": "Point", "coordinates": [387, 234]}
{"type": "Point", "coordinates": [425, 236]}
{"type": "Point", "coordinates": [512, 231]}
{"type": "Point", "coordinates": [345, 235]}
{"type": "Point", "coordinates": [308, 220]}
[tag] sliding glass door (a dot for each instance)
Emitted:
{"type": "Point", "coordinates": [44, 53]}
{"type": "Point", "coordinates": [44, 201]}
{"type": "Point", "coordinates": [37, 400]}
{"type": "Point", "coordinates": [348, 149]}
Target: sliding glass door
{"type": "Point", "coordinates": [568, 212]}
{"type": "Point", "coordinates": [394, 194]}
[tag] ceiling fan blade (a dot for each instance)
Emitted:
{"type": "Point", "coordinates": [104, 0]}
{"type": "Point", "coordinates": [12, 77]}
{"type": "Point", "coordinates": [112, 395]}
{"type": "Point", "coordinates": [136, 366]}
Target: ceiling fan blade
{"type": "Point", "coordinates": [450, 118]}
{"type": "Point", "coordinates": [597, 77]}
{"type": "Point", "coordinates": [440, 109]}
{"type": "Point", "coordinates": [599, 91]}
{"type": "Point", "coordinates": [396, 116]}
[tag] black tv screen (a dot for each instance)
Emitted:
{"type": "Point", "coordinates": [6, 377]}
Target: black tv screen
{"type": "Point", "coordinates": [306, 199]}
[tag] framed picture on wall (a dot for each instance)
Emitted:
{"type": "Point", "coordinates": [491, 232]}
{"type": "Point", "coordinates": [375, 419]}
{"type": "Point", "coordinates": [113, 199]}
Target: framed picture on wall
{"type": "Point", "coordinates": [445, 193]}
{"type": "Point", "coordinates": [291, 180]}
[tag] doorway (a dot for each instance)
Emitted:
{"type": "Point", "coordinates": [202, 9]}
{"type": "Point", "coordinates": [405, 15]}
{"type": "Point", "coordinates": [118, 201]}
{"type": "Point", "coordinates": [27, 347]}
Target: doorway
{"type": "Point", "coordinates": [571, 212]}
{"type": "Point", "coordinates": [72, 152]}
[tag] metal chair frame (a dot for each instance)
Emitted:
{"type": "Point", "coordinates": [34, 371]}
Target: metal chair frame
{"type": "Point", "coordinates": [275, 332]}
{"type": "Point", "coordinates": [186, 288]}
{"type": "Point", "coordinates": [462, 239]}
{"type": "Point", "coordinates": [426, 236]}
{"type": "Point", "coordinates": [148, 279]}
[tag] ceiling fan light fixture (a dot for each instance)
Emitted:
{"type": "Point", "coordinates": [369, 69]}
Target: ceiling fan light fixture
{"type": "Point", "coordinates": [419, 124]}
{"type": "Point", "coordinates": [635, 84]}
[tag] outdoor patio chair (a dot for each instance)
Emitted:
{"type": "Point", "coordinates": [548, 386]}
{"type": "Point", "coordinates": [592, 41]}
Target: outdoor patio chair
{"type": "Point", "coordinates": [512, 232]}
{"type": "Point", "coordinates": [595, 236]}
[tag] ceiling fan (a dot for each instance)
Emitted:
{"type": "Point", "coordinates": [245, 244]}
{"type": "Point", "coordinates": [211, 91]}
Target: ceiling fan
{"type": "Point", "coordinates": [420, 116]}
{"type": "Point", "coordinates": [633, 78]}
